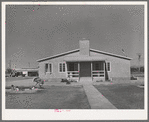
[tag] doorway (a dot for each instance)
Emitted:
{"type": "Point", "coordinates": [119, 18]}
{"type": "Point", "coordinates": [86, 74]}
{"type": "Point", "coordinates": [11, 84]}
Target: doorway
{"type": "Point", "coordinates": [85, 69]}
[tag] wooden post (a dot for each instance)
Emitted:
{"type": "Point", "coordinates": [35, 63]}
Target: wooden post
{"type": "Point", "coordinates": [48, 67]}
{"type": "Point", "coordinates": [79, 69]}
{"type": "Point", "coordinates": [66, 69]}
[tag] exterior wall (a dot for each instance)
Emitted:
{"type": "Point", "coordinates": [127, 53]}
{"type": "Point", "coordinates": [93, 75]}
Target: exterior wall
{"type": "Point", "coordinates": [55, 67]}
{"type": "Point", "coordinates": [120, 68]}
{"type": "Point", "coordinates": [32, 73]}
{"type": "Point", "coordinates": [25, 73]}
{"type": "Point", "coordinates": [28, 72]}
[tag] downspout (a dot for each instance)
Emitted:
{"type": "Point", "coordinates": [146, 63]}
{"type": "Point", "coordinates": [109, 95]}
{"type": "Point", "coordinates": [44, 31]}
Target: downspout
{"type": "Point", "coordinates": [91, 71]}
{"type": "Point", "coordinates": [79, 70]}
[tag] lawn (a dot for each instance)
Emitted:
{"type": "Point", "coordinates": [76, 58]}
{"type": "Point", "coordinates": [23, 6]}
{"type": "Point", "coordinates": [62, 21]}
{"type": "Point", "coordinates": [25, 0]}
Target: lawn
{"type": "Point", "coordinates": [123, 96]}
{"type": "Point", "coordinates": [9, 79]}
{"type": "Point", "coordinates": [51, 97]}
{"type": "Point", "coordinates": [137, 74]}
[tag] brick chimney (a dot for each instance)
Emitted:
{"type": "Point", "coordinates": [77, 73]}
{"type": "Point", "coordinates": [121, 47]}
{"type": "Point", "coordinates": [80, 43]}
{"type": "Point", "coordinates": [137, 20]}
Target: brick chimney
{"type": "Point", "coordinates": [84, 47]}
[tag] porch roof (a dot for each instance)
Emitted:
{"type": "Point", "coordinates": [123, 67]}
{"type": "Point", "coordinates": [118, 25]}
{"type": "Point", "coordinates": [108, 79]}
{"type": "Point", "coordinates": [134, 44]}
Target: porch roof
{"type": "Point", "coordinates": [83, 58]}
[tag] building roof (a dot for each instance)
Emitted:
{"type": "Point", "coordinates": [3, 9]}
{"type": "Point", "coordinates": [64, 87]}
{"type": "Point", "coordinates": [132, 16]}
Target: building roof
{"type": "Point", "coordinates": [77, 50]}
{"type": "Point", "coordinates": [55, 56]}
{"type": "Point", "coordinates": [83, 58]}
{"type": "Point", "coordinates": [111, 54]}
{"type": "Point", "coordinates": [26, 69]}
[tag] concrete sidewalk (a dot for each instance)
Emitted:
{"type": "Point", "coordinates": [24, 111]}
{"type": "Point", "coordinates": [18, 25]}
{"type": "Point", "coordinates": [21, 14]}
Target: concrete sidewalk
{"type": "Point", "coordinates": [96, 99]}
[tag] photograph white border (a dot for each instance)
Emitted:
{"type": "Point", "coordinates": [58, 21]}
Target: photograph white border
{"type": "Point", "coordinates": [75, 114]}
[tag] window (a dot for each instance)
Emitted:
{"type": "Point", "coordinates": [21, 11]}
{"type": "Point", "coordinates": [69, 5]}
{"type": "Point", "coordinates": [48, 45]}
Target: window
{"type": "Point", "coordinates": [98, 65]}
{"type": "Point", "coordinates": [72, 66]}
{"type": "Point", "coordinates": [75, 66]}
{"type": "Point", "coordinates": [61, 67]}
{"type": "Point", "coordinates": [108, 66]}
{"type": "Point", "coordinates": [48, 67]}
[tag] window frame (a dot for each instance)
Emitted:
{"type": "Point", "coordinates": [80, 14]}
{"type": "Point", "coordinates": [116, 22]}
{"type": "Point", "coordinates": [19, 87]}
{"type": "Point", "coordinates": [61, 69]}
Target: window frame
{"type": "Point", "coordinates": [74, 64]}
{"type": "Point", "coordinates": [97, 66]}
{"type": "Point", "coordinates": [51, 67]}
{"type": "Point", "coordinates": [61, 67]}
{"type": "Point", "coordinates": [45, 68]}
{"type": "Point", "coordinates": [107, 66]}
{"type": "Point", "coordinates": [48, 71]}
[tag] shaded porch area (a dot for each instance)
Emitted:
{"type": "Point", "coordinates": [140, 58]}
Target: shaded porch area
{"type": "Point", "coordinates": [95, 70]}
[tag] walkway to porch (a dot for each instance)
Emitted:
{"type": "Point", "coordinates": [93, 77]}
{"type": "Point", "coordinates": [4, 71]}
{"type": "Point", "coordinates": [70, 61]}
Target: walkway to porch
{"type": "Point", "coordinates": [95, 98]}
{"type": "Point", "coordinates": [85, 80]}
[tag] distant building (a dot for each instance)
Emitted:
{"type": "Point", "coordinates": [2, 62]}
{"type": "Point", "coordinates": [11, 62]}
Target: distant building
{"type": "Point", "coordinates": [28, 71]}
{"type": "Point", "coordinates": [85, 63]}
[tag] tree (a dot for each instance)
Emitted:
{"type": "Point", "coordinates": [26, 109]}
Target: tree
{"type": "Point", "coordinates": [139, 59]}
{"type": "Point", "coordinates": [10, 71]}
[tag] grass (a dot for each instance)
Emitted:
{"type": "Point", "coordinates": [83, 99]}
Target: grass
{"type": "Point", "coordinates": [9, 79]}
{"type": "Point", "coordinates": [123, 96]}
{"type": "Point", "coordinates": [137, 74]}
{"type": "Point", "coordinates": [52, 97]}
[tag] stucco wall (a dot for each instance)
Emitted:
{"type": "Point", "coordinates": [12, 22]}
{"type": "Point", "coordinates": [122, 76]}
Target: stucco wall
{"type": "Point", "coordinates": [55, 67]}
{"type": "Point", "coordinates": [119, 67]}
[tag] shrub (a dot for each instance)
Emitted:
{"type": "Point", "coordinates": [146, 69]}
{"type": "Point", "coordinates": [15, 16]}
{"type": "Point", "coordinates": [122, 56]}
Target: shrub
{"type": "Point", "coordinates": [99, 80]}
{"type": "Point", "coordinates": [64, 80]}
{"type": "Point", "coordinates": [133, 78]}
{"type": "Point", "coordinates": [68, 82]}
{"type": "Point", "coordinates": [142, 85]}
{"type": "Point", "coordinates": [109, 80]}
{"type": "Point", "coordinates": [74, 80]}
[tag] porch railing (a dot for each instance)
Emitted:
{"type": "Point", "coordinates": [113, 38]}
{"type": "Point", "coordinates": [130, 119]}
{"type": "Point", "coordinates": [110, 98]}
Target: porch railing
{"type": "Point", "coordinates": [73, 73]}
{"type": "Point", "coordinates": [99, 73]}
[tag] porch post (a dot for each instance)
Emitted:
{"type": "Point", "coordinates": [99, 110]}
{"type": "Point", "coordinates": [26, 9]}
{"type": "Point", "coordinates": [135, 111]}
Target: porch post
{"type": "Point", "coordinates": [66, 70]}
{"type": "Point", "coordinates": [79, 69]}
{"type": "Point", "coordinates": [91, 70]}
{"type": "Point", "coordinates": [48, 67]}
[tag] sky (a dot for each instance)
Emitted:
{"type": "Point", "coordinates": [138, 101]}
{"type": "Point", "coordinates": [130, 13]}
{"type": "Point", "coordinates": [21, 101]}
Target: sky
{"type": "Point", "coordinates": [38, 31]}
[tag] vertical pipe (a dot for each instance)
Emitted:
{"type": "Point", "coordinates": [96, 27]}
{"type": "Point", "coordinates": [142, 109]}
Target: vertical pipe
{"type": "Point", "coordinates": [104, 70]}
{"type": "Point", "coordinates": [91, 71]}
{"type": "Point", "coordinates": [79, 70]}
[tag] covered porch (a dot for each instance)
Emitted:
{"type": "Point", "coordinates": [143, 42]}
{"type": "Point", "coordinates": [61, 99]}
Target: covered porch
{"type": "Point", "coordinates": [86, 67]}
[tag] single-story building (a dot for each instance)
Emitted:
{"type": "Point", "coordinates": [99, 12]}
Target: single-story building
{"type": "Point", "coordinates": [85, 63]}
{"type": "Point", "coordinates": [28, 71]}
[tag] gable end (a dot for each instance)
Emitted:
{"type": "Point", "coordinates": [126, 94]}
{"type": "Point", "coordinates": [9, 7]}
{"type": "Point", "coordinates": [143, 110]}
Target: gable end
{"type": "Point", "coordinates": [110, 54]}
{"type": "Point", "coordinates": [55, 56]}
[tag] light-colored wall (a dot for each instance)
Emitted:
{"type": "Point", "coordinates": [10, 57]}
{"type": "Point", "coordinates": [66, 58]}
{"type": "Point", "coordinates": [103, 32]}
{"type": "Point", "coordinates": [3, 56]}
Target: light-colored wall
{"type": "Point", "coordinates": [120, 68]}
{"type": "Point", "coordinates": [55, 67]}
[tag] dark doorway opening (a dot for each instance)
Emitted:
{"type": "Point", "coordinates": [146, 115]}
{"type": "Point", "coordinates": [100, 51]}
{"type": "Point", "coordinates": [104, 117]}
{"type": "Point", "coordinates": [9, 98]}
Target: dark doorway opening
{"type": "Point", "coordinates": [85, 69]}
